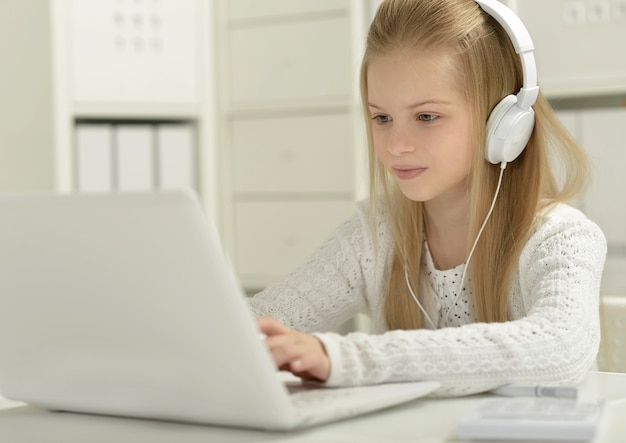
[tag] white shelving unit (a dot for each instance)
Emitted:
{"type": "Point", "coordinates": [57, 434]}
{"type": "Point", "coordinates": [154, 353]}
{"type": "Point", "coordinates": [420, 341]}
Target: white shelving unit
{"type": "Point", "coordinates": [292, 145]}
{"type": "Point", "coordinates": [130, 65]}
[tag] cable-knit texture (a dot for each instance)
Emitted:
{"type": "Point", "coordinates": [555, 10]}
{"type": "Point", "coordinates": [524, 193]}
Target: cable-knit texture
{"type": "Point", "coordinates": [554, 303]}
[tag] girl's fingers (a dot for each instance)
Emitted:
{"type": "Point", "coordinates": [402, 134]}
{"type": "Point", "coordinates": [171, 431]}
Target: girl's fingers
{"type": "Point", "coordinates": [270, 326]}
{"type": "Point", "coordinates": [299, 353]}
{"type": "Point", "coordinates": [286, 355]}
{"type": "Point", "coordinates": [302, 359]}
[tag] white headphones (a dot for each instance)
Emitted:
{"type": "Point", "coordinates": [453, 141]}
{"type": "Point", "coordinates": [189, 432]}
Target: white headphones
{"type": "Point", "coordinates": [512, 120]}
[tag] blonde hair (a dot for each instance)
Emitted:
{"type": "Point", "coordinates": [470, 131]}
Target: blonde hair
{"type": "Point", "coordinates": [489, 69]}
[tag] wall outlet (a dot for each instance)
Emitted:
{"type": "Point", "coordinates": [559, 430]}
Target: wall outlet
{"type": "Point", "coordinates": [574, 13]}
{"type": "Point", "coordinates": [618, 9]}
{"type": "Point", "coordinates": [599, 11]}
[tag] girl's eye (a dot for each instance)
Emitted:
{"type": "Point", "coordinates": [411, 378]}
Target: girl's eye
{"type": "Point", "coordinates": [381, 119]}
{"type": "Point", "coordinates": [427, 118]}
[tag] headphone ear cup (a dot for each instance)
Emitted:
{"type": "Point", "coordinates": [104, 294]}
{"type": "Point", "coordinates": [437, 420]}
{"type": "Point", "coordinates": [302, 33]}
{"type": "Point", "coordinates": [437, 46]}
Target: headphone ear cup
{"type": "Point", "coordinates": [509, 128]}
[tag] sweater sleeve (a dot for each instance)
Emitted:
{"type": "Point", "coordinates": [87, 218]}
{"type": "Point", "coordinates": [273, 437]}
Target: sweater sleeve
{"type": "Point", "coordinates": [331, 287]}
{"type": "Point", "coordinates": [555, 339]}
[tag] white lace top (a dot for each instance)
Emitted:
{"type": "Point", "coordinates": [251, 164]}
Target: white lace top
{"type": "Point", "coordinates": [454, 305]}
{"type": "Point", "coordinates": [554, 303]}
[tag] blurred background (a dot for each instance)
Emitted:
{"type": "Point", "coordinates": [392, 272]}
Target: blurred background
{"type": "Point", "coordinates": [254, 105]}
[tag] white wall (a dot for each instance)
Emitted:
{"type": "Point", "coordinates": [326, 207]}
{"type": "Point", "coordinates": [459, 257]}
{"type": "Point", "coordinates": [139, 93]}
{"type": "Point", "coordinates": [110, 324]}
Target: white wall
{"type": "Point", "coordinates": [26, 155]}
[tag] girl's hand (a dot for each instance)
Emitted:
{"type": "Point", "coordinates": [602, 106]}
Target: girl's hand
{"type": "Point", "coordinates": [301, 354]}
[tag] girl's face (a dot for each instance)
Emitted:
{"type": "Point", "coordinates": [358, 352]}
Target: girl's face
{"type": "Point", "coordinates": [421, 123]}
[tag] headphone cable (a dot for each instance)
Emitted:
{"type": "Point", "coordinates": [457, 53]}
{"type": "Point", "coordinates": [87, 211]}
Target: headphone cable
{"type": "Point", "coordinates": [469, 257]}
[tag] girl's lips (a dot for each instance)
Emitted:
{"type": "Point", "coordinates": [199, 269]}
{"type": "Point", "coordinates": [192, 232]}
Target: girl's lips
{"type": "Point", "coordinates": [408, 174]}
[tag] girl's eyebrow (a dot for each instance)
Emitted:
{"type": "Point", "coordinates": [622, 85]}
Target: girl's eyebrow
{"type": "Point", "coordinates": [417, 104]}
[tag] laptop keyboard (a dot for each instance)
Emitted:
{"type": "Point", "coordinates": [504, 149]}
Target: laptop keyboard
{"type": "Point", "coordinates": [311, 394]}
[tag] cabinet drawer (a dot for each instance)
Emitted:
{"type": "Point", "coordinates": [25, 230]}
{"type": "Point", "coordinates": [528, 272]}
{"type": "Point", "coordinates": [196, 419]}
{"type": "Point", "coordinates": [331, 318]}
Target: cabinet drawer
{"type": "Point", "coordinates": [133, 52]}
{"type": "Point", "coordinates": [274, 238]}
{"type": "Point", "coordinates": [293, 154]}
{"type": "Point", "coordinates": [603, 134]}
{"type": "Point", "coordinates": [584, 57]}
{"type": "Point", "coordinates": [292, 64]}
{"type": "Point", "coordinates": [614, 275]}
{"type": "Point", "coordinates": [255, 9]}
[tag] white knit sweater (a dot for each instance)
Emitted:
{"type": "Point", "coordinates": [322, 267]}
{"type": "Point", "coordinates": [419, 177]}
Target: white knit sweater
{"type": "Point", "coordinates": [554, 303]}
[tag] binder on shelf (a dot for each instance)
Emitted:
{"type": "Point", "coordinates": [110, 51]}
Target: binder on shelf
{"type": "Point", "coordinates": [93, 157]}
{"type": "Point", "coordinates": [135, 166]}
{"type": "Point", "coordinates": [176, 148]}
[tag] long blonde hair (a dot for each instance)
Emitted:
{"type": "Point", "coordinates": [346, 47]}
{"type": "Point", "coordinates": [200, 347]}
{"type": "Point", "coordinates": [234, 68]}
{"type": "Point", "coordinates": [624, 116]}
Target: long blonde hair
{"type": "Point", "coordinates": [489, 70]}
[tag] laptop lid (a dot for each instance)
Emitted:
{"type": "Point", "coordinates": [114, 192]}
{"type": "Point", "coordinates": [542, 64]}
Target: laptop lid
{"type": "Point", "coordinates": [125, 304]}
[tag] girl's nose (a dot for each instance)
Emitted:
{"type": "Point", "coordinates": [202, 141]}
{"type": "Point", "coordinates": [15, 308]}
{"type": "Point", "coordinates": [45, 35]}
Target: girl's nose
{"type": "Point", "coordinates": [399, 142]}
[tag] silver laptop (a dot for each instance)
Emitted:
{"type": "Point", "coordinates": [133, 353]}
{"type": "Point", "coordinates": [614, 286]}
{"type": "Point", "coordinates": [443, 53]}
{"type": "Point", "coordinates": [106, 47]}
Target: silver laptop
{"type": "Point", "coordinates": [124, 304]}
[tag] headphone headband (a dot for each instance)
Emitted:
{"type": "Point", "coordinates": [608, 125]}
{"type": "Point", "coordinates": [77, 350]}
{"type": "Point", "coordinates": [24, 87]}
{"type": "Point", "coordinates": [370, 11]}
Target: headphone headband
{"type": "Point", "coordinates": [510, 22]}
{"type": "Point", "coordinates": [523, 44]}
{"type": "Point", "coordinates": [511, 123]}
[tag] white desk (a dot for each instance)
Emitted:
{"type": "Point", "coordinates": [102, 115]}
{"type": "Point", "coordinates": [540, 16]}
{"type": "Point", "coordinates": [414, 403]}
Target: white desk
{"type": "Point", "coordinates": [421, 421]}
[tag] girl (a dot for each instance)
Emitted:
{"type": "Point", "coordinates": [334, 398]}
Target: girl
{"type": "Point", "coordinates": [473, 275]}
